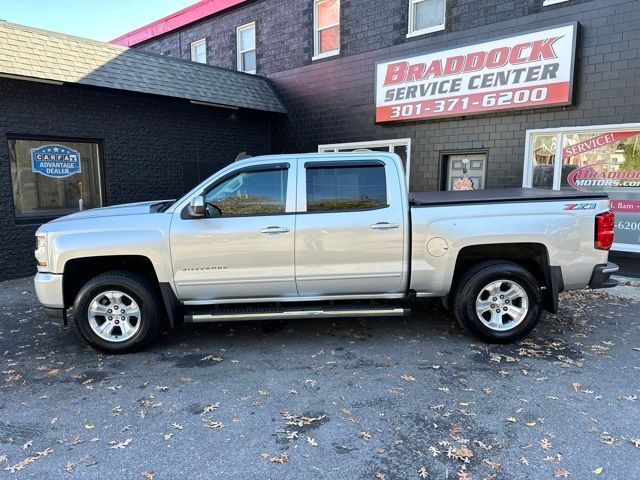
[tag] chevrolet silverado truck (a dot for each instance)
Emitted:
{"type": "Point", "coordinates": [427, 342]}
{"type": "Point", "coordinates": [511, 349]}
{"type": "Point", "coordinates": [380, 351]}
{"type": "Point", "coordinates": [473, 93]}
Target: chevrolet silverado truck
{"type": "Point", "coordinates": [320, 235]}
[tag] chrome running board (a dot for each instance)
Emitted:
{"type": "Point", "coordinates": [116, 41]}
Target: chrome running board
{"type": "Point", "coordinates": [285, 314]}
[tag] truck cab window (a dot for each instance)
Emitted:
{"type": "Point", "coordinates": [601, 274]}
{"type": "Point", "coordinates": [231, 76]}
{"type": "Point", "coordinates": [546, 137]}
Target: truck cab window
{"type": "Point", "coordinates": [346, 188]}
{"type": "Point", "coordinates": [249, 193]}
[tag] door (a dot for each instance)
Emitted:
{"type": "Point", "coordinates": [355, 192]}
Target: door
{"type": "Point", "coordinates": [466, 172]}
{"type": "Point", "coordinates": [350, 233]}
{"type": "Point", "coordinates": [243, 246]}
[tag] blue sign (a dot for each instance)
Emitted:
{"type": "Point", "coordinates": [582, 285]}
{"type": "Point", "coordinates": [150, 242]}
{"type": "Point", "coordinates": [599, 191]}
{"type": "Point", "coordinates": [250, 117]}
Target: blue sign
{"type": "Point", "coordinates": [55, 161]}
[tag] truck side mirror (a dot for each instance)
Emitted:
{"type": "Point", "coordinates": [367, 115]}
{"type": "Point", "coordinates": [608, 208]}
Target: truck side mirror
{"type": "Point", "coordinates": [196, 206]}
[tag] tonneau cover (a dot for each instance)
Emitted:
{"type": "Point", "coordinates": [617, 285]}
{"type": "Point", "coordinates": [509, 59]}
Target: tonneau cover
{"type": "Point", "coordinates": [498, 195]}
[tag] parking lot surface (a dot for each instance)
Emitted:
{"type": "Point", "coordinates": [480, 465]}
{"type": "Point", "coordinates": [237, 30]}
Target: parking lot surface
{"type": "Point", "coordinates": [356, 398]}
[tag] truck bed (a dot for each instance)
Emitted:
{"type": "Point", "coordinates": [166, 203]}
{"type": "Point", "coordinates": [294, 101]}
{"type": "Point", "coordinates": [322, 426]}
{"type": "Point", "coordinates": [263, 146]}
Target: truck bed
{"type": "Point", "coordinates": [497, 195]}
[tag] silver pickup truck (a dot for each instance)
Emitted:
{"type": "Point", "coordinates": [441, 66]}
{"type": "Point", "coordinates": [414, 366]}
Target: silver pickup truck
{"type": "Point", "coordinates": [320, 235]}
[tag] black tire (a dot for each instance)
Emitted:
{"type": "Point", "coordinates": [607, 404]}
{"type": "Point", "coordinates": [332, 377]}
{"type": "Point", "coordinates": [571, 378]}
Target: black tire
{"type": "Point", "coordinates": [470, 287]}
{"type": "Point", "coordinates": [141, 290]}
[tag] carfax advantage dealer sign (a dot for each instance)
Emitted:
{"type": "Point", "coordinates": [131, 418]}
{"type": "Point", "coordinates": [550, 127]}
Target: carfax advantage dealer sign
{"type": "Point", "coordinates": [530, 70]}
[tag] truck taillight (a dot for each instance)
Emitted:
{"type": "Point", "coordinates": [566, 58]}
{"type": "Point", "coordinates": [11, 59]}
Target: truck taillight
{"type": "Point", "coordinates": [604, 230]}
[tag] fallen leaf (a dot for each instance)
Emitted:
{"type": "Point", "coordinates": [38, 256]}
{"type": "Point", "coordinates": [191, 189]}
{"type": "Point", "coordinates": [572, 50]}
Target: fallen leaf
{"type": "Point", "coordinates": [213, 424]}
{"type": "Point", "coordinates": [492, 464]}
{"type": "Point", "coordinates": [561, 472]}
{"type": "Point", "coordinates": [545, 444]}
{"type": "Point", "coordinates": [283, 457]}
{"type": "Point", "coordinates": [123, 444]}
{"type": "Point", "coordinates": [211, 407]}
{"type": "Point", "coordinates": [511, 419]}
{"type": "Point", "coordinates": [598, 471]}
{"type": "Point", "coordinates": [149, 475]}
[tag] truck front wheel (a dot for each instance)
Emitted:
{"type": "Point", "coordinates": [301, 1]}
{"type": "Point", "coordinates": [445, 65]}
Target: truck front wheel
{"type": "Point", "coordinates": [118, 312]}
{"type": "Point", "coordinates": [498, 302]}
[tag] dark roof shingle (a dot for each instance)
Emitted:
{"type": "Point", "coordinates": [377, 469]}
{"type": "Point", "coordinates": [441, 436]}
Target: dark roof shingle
{"type": "Point", "coordinates": [41, 54]}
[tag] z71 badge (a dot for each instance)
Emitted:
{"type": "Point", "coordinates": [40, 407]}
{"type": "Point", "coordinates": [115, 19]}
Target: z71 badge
{"type": "Point", "coordinates": [579, 206]}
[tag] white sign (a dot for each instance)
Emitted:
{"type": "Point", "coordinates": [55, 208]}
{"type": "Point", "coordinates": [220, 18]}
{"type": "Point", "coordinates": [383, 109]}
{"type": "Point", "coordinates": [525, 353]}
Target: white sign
{"type": "Point", "coordinates": [526, 71]}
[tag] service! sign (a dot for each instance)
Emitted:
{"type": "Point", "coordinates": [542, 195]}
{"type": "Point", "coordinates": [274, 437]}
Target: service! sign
{"type": "Point", "coordinates": [526, 71]}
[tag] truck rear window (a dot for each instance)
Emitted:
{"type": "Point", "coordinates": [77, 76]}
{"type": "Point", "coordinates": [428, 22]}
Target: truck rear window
{"type": "Point", "coordinates": [346, 188]}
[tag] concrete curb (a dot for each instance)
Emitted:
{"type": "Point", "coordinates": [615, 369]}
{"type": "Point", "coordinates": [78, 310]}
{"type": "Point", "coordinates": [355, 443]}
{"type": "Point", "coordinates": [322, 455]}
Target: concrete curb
{"type": "Point", "coordinates": [628, 288]}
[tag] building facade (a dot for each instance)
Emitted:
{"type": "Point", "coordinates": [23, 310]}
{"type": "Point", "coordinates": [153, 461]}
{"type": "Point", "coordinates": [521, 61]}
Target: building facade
{"type": "Point", "coordinates": [87, 124]}
{"type": "Point", "coordinates": [324, 56]}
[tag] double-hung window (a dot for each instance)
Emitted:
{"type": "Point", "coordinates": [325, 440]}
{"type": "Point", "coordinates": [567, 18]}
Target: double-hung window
{"type": "Point", "coordinates": [426, 16]}
{"type": "Point", "coordinates": [326, 28]}
{"type": "Point", "coordinates": [246, 46]}
{"type": "Point", "coordinates": [199, 51]}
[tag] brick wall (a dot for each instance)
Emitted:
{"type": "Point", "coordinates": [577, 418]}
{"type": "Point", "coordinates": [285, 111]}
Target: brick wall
{"type": "Point", "coordinates": [285, 28]}
{"type": "Point", "coordinates": [331, 100]}
{"type": "Point", "coordinates": [154, 147]}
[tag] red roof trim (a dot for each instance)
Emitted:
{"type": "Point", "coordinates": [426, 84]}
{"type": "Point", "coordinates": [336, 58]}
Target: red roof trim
{"type": "Point", "coordinates": [176, 20]}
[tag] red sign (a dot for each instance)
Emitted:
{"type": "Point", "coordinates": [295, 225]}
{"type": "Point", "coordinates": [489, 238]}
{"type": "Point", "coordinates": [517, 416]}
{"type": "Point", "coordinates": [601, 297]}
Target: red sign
{"type": "Point", "coordinates": [596, 142]}
{"type": "Point", "coordinates": [625, 205]}
{"type": "Point", "coordinates": [530, 70]}
{"type": "Point", "coordinates": [587, 177]}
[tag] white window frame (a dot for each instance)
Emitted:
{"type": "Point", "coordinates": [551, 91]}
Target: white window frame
{"type": "Point", "coordinates": [316, 33]}
{"type": "Point", "coordinates": [239, 62]}
{"type": "Point", "coordinates": [363, 146]}
{"type": "Point", "coordinates": [546, 3]}
{"type": "Point", "coordinates": [423, 31]}
{"type": "Point", "coordinates": [194, 45]}
{"type": "Point", "coordinates": [527, 175]}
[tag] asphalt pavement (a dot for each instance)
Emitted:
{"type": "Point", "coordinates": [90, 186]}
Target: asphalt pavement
{"type": "Point", "coordinates": [348, 399]}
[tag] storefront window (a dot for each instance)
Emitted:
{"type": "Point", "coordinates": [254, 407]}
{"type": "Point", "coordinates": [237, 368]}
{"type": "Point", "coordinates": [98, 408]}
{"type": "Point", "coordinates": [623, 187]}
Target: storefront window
{"type": "Point", "coordinates": [543, 154]}
{"type": "Point", "coordinates": [594, 159]}
{"type": "Point", "coordinates": [53, 178]}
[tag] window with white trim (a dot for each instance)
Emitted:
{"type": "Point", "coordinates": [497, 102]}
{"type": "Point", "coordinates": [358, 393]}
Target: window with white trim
{"type": "Point", "coordinates": [546, 3]}
{"type": "Point", "coordinates": [246, 47]}
{"type": "Point", "coordinates": [199, 51]}
{"type": "Point", "coordinates": [426, 16]}
{"type": "Point", "coordinates": [400, 146]}
{"type": "Point", "coordinates": [326, 28]}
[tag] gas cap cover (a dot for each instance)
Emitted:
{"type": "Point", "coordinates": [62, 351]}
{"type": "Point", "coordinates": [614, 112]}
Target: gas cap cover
{"type": "Point", "coordinates": [437, 247]}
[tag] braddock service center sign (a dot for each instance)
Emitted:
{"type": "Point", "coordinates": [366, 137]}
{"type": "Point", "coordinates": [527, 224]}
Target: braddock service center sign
{"type": "Point", "coordinates": [526, 71]}
{"type": "Point", "coordinates": [55, 161]}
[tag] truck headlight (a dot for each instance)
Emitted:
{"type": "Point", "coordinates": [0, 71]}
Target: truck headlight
{"type": "Point", "coordinates": [42, 250]}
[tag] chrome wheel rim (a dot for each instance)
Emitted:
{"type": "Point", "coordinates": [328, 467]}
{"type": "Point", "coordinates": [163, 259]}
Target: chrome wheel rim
{"type": "Point", "coordinates": [502, 305]}
{"type": "Point", "coordinates": [114, 316]}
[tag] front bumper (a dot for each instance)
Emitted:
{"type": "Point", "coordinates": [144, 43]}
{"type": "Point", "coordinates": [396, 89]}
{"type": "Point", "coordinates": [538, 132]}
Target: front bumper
{"type": "Point", "coordinates": [600, 278]}
{"type": "Point", "coordinates": [49, 290]}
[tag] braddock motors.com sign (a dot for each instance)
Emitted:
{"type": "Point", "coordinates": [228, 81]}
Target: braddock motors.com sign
{"type": "Point", "coordinates": [609, 162]}
{"type": "Point", "coordinates": [529, 70]}
{"type": "Point", "coordinates": [599, 158]}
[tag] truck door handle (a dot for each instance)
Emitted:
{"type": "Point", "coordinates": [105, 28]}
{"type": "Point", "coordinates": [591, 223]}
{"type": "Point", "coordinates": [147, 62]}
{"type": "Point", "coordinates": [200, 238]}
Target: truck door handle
{"type": "Point", "coordinates": [275, 230]}
{"type": "Point", "coordinates": [384, 226]}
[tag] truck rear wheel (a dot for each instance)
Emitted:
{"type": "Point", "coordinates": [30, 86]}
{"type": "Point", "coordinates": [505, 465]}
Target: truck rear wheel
{"type": "Point", "coordinates": [118, 312]}
{"type": "Point", "coordinates": [498, 302]}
